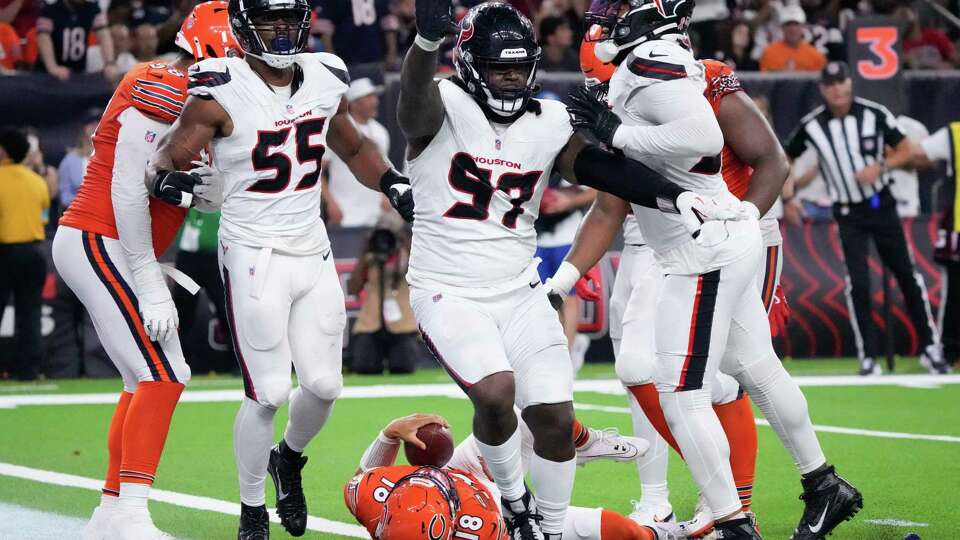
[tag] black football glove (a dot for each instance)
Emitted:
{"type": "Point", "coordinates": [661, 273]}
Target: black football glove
{"type": "Point", "coordinates": [175, 187]}
{"type": "Point", "coordinates": [589, 112]}
{"type": "Point", "coordinates": [397, 189]}
{"type": "Point", "coordinates": [435, 19]}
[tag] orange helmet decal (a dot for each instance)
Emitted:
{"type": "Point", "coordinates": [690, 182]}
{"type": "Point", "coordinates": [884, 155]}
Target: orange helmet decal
{"type": "Point", "coordinates": [423, 504]}
{"type": "Point", "coordinates": [205, 33]}
{"type": "Point", "coordinates": [593, 69]}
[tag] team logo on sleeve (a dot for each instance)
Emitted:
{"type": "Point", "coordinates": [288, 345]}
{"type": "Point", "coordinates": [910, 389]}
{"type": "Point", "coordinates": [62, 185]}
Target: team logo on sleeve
{"type": "Point", "coordinates": [150, 136]}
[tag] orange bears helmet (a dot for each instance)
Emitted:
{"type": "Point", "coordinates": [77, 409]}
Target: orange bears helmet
{"type": "Point", "coordinates": [593, 69]}
{"type": "Point", "coordinates": [423, 504]}
{"type": "Point", "coordinates": [205, 33]}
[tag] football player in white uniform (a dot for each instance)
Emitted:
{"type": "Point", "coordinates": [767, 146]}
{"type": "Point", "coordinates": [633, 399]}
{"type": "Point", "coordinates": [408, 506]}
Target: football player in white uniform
{"type": "Point", "coordinates": [710, 316]}
{"type": "Point", "coordinates": [268, 119]}
{"type": "Point", "coordinates": [479, 152]}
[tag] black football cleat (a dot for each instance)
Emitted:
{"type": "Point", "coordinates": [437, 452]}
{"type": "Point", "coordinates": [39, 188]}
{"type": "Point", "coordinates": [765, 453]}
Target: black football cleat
{"type": "Point", "coordinates": [291, 504]}
{"type": "Point", "coordinates": [254, 523]}
{"type": "Point", "coordinates": [522, 519]}
{"type": "Point", "coordinates": [830, 500]}
{"type": "Point", "coordinates": [735, 529]}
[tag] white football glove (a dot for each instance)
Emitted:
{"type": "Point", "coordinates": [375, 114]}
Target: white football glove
{"type": "Point", "coordinates": [559, 285]}
{"type": "Point", "coordinates": [159, 314]}
{"type": "Point", "coordinates": [695, 210]}
{"type": "Point", "coordinates": [208, 195]}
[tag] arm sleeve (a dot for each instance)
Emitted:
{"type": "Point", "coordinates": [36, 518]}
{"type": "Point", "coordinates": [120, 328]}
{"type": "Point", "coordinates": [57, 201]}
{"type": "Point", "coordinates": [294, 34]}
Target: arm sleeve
{"type": "Point", "coordinates": [892, 134]}
{"type": "Point", "coordinates": [797, 143]}
{"type": "Point", "coordinates": [937, 146]}
{"type": "Point", "coordinates": [381, 452]}
{"type": "Point", "coordinates": [687, 126]}
{"type": "Point", "coordinates": [131, 203]}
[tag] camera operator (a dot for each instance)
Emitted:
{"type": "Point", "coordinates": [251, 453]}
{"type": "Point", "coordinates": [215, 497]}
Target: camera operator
{"type": "Point", "coordinates": [385, 328]}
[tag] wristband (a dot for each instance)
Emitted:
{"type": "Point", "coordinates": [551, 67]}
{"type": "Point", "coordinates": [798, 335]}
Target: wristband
{"type": "Point", "coordinates": [389, 178]}
{"type": "Point", "coordinates": [426, 44]}
{"type": "Point", "coordinates": [565, 277]}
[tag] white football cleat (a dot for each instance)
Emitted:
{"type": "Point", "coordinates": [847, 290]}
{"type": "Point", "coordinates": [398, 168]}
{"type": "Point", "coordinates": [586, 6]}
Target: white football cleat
{"type": "Point", "coordinates": [132, 523]}
{"type": "Point", "coordinates": [96, 528]}
{"type": "Point", "coordinates": [701, 523]}
{"type": "Point", "coordinates": [610, 444]}
{"type": "Point", "coordinates": [649, 514]}
{"type": "Point", "coordinates": [667, 530]}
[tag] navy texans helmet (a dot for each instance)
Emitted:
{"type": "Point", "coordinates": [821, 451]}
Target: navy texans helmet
{"type": "Point", "coordinates": [620, 25]}
{"type": "Point", "coordinates": [495, 35]}
{"type": "Point", "coordinates": [288, 20]}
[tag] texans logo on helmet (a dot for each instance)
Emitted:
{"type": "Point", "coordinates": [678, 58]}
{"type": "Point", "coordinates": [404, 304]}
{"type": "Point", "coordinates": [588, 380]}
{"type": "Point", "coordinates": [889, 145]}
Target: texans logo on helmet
{"type": "Point", "coordinates": [466, 32]}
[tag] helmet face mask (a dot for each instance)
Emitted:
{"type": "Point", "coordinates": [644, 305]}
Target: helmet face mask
{"type": "Point", "coordinates": [274, 31]}
{"type": "Point", "coordinates": [496, 57]}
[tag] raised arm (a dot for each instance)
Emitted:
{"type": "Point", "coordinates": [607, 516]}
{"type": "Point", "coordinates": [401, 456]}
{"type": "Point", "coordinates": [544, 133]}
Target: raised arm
{"type": "Point", "coordinates": [420, 110]}
{"type": "Point", "coordinates": [367, 163]}
{"type": "Point", "coordinates": [748, 134]}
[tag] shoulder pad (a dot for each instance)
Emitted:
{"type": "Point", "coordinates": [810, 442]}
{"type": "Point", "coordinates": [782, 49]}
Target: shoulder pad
{"type": "Point", "coordinates": [210, 73]}
{"type": "Point", "coordinates": [335, 65]}
{"type": "Point", "coordinates": [660, 60]}
{"type": "Point", "coordinates": [158, 90]}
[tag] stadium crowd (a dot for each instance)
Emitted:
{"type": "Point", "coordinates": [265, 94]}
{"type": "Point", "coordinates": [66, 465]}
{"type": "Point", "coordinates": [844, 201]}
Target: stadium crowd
{"type": "Point", "coordinates": [64, 37]}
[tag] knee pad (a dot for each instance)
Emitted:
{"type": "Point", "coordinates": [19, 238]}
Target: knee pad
{"type": "Point", "coordinates": [724, 389]}
{"type": "Point", "coordinates": [274, 393]}
{"type": "Point", "coordinates": [634, 367]}
{"type": "Point", "coordinates": [327, 388]}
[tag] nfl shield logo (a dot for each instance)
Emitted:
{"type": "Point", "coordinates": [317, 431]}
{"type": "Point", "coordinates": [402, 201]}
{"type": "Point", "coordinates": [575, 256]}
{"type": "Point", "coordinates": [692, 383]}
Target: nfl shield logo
{"type": "Point", "coordinates": [498, 144]}
{"type": "Point", "coordinates": [290, 109]}
{"type": "Point", "coordinates": [150, 136]}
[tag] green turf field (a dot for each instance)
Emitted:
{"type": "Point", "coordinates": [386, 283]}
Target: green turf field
{"type": "Point", "coordinates": [909, 483]}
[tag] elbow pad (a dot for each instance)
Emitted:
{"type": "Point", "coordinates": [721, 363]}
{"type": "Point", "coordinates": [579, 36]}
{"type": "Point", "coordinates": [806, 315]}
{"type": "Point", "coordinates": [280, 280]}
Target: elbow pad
{"type": "Point", "coordinates": [630, 180]}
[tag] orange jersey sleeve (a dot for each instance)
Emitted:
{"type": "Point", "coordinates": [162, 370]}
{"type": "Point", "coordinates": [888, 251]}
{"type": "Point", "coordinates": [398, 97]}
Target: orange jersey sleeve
{"type": "Point", "coordinates": [721, 82]}
{"type": "Point", "coordinates": [158, 91]}
{"type": "Point", "coordinates": [479, 518]}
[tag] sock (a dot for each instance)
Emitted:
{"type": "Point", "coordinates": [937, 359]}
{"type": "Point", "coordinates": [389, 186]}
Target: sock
{"type": "Point", "coordinates": [705, 448]}
{"type": "Point", "coordinates": [110, 501]}
{"type": "Point", "coordinates": [111, 486]}
{"type": "Point", "coordinates": [308, 414]}
{"type": "Point", "coordinates": [736, 418]}
{"type": "Point", "coordinates": [785, 407]}
{"type": "Point", "coordinates": [613, 526]}
{"type": "Point", "coordinates": [652, 466]}
{"type": "Point", "coordinates": [252, 438]}
{"type": "Point", "coordinates": [145, 430]}
{"type": "Point", "coordinates": [505, 465]}
{"type": "Point", "coordinates": [553, 484]}
{"type": "Point", "coordinates": [649, 400]}
{"type": "Point", "coordinates": [581, 435]}
{"type": "Point", "coordinates": [134, 495]}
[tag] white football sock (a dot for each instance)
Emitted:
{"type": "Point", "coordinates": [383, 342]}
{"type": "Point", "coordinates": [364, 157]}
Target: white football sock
{"type": "Point", "coordinates": [308, 414]}
{"type": "Point", "coordinates": [552, 484]}
{"type": "Point", "coordinates": [652, 466]}
{"type": "Point", "coordinates": [252, 439]}
{"type": "Point", "coordinates": [505, 465]}
{"type": "Point", "coordinates": [134, 495]}
{"type": "Point", "coordinates": [109, 501]}
{"type": "Point", "coordinates": [785, 407]}
{"type": "Point", "coordinates": [700, 436]}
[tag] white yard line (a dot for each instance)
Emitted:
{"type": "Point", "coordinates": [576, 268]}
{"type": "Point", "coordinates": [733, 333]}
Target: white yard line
{"type": "Point", "coordinates": [192, 502]}
{"type": "Point", "coordinates": [28, 524]}
{"type": "Point", "coordinates": [601, 386]}
{"type": "Point", "coordinates": [822, 429]}
{"type": "Point", "coordinates": [890, 522]}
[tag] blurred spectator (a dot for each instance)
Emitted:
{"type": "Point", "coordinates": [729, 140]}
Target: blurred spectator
{"type": "Point", "coordinates": [23, 199]}
{"type": "Point", "coordinates": [64, 29]}
{"type": "Point", "coordinates": [705, 21]}
{"type": "Point", "coordinates": [21, 15]}
{"type": "Point", "coordinates": [11, 53]}
{"type": "Point", "coordinates": [74, 164]}
{"type": "Point", "coordinates": [793, 52]}
{"type": "Point", "coordinates": [145, 42]}
{"type": "Point", "coordinates": [36, 163]}
{"type": "Point", "coordinates": [925, 47]}
{"type": "Point", "coordinates": [385, 327]}
{"type": "Point", "coordinates": [737, 48]}
{"type": "Point", "coordinates": [124, 59]}
{"type": "Point", "coordinates": [197, 257]}
{"type": "Point", "coordinates": [349, 203]}
{"type": "Point", "coordinates": [358, 31]}
{"type": "Point", "coordinates": [570, 10]}
{"type": "Point", "coordinates": [166, 15]}
{"type": "Point", "coordinates": [826, 24]}
{"type": "Point", "coordinates": [405, 13]}
{"type": "Point", "coordinates": [556, 41]}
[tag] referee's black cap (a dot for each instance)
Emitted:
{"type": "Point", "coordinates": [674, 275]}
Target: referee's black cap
{"type": "Point", "coordinates": [834, 72]}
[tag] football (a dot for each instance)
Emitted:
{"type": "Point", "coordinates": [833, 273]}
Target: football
{"type": "Point", "coordinates": [439, 447]}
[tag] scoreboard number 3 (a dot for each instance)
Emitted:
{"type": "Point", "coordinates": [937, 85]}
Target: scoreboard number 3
{"type": "Point", "coordinates": [881, 41]}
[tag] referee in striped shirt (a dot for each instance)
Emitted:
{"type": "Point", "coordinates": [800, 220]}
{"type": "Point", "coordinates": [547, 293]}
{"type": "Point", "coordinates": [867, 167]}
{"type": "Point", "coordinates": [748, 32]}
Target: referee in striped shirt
{"type": "Point", "coordinates": [857, 142]}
